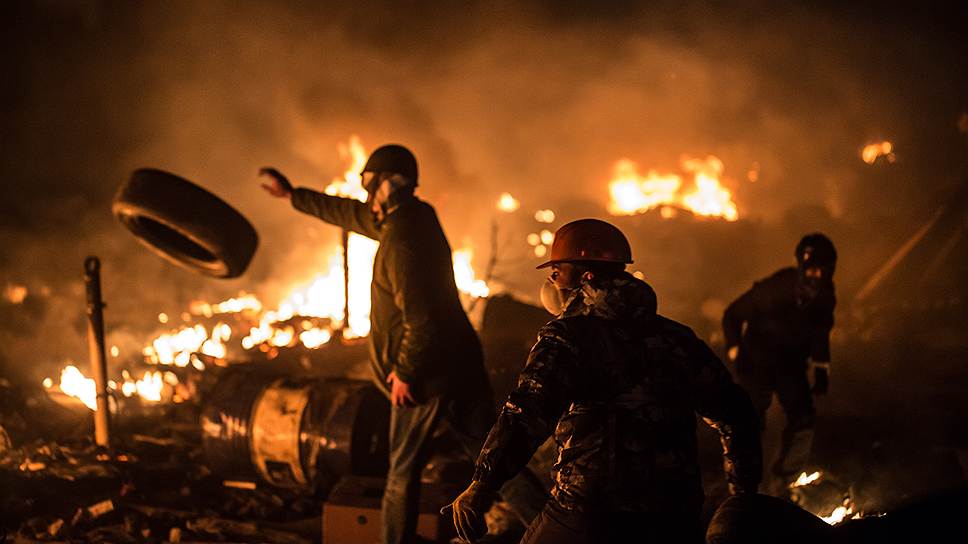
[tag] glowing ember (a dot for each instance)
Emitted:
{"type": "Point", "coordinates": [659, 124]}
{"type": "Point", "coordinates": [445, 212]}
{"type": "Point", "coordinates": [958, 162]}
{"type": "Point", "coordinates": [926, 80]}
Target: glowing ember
{"type": "Point", "coordinates": [547, 237]}
{"type": "Point", "coordinates": [14, 294]}
{"type": "Point", "coordinates": [806, 479]}
{"type": "Point", "coordinates": [507, 203]}
{"type": "Point", "coordinates": [632, 193]}
{"type": "Point", "coordinates": [871, 152]}
{"type": "Point", "coordinates": [842, 512]}
{"type": "Point", "coordinates": [149, 386]}
{"type": "Point", "coordinates": [176, 348]}
{"type": "Point", "coordinates": [245, 302]}
{"type": "Point", "coordinates": [313, 338]}
{"type": "Point", "coordinates": [544, 216]}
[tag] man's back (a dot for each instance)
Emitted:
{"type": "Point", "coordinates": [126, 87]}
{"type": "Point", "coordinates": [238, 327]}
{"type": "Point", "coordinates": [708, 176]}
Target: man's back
{"type": "Point", "coordinates": [621, 386]}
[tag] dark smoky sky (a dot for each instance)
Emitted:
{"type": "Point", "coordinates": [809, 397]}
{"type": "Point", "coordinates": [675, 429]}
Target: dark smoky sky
{"type": "Point", "coordinates": [539, 100]}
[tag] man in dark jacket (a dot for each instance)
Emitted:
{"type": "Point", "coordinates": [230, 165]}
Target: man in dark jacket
{"type": "Point", "coordinates": [619, 387]}
{"type": "Point", "coordinates": [425, 355]}
{"type": "Point", "coordinates": [771, 331]}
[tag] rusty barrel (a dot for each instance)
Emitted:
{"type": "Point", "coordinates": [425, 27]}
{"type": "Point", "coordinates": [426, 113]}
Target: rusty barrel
{"type": "Point", "coordinates": [295, 431]}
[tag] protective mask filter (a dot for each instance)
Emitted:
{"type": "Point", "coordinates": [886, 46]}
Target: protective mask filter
{"type": "Point", "coordinates": [552, 298]}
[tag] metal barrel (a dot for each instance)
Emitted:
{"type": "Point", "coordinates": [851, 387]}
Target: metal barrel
{"type": "Point", "coordinates": [295, 431]}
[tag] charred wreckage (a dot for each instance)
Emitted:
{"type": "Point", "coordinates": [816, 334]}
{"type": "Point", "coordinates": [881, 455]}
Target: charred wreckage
{"type": "Point", "coordinates": [282, 437]}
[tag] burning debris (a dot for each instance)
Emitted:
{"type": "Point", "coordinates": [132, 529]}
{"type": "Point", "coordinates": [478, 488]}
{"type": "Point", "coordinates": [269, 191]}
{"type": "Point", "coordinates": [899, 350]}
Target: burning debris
{"type": "Point", "coordinates": [822, 495]}
{"type": "Point", "coordinates": [631, 193]}
{"type": "Point", "coordinates": [874, 151]}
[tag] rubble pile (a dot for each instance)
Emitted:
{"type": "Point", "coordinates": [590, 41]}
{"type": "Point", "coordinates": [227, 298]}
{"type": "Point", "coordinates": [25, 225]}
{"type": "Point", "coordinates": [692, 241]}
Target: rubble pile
{"type": "Point", "coordinates": [153, 486]}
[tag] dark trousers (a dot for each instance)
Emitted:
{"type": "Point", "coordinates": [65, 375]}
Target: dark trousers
{"type": "Point", "coordinates": [557, 526]}
{"type": "Point", "coordinates": [411, 429]}
{"type": "Point", "coordinates": [792, 390]}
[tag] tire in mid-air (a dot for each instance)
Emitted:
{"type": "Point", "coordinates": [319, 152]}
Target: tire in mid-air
{"type": "Point", "coordinates": [185, 224]}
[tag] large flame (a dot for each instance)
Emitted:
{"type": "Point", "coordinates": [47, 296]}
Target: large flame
{"type": "Point", "coordinates": [464, 276]}
{"type": "Point", "coordinates": [322, 298]}
{"type": "Point", "coordinates": [631, 193]}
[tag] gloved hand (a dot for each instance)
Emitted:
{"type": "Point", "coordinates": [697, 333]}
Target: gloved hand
{"type": "Point", "coordinates": [821, 381]}
{"type": "Point", "coordinates": [468, 511]}
{"type": "Point", "coordinates": [278, 185]}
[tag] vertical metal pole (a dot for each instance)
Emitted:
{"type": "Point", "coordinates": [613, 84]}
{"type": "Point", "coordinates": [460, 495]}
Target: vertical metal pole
{"type": "Point", "coordinates": [95, 342]}
{"type": "Point", "coordinates": [346, 279]}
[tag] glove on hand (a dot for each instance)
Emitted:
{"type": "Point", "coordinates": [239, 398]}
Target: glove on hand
{"type": "Point", "coordinates": [468, 511]}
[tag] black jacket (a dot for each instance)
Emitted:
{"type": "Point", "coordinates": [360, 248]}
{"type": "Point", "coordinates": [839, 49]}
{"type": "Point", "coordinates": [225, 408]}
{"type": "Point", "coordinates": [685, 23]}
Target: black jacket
{"type": "Point", "coordinates": [418, 327]}
{"type": "Point", "coordinates": [778, 329]}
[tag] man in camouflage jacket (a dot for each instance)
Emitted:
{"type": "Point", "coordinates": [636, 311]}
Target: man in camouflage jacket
{"type": "Point", "coordinates": [619, 387]}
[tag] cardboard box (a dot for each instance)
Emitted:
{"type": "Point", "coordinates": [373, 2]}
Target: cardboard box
{"type": "Point", "coordinates": [351, 513]}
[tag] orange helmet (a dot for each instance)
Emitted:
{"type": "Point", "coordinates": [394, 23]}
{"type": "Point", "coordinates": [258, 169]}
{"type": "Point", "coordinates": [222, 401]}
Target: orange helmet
{"type": "Point", "coordinates": [589, 240]}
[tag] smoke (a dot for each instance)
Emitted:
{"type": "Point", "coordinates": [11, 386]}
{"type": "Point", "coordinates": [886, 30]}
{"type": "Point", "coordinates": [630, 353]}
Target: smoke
{"type": "Point", "coordinates": [539, 101]}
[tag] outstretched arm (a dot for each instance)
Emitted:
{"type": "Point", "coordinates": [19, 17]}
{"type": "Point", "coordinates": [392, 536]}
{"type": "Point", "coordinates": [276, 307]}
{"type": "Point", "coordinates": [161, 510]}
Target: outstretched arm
{"type": "Point", "coordinates": [347, 213]}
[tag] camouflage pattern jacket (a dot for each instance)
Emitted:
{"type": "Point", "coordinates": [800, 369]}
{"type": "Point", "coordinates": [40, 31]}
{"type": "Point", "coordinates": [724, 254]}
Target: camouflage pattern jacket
{"type": "Point", "coordinates": [620, 387]}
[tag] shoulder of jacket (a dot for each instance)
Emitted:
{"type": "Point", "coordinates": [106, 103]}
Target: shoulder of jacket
{"type": "Point", "coordinates": [781, 276]}
{"type": "Point", "coordinates": [669, 326]}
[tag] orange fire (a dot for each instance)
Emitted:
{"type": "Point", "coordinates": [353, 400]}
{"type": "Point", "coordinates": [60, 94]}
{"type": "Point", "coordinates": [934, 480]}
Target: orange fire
{"type": "Point", "coordinates": [632, 193]}
{"type": "Point", "coordinates": [507, 203]}
{"type": "Point", "coordinates": [74, 383]}
{"type": "Point", "coordinates": [322, 298]}
{"type": "Point", "coordinates": [871, 152]}
{"type": "Point", "coordinates": [839, 513]}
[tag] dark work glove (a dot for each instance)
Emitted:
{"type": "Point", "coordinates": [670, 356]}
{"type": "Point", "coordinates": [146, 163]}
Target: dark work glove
{"type": "Point", "coordinates": [278, 185]}
{"type": "Point", "coordinates": [468, 511]}
{"type": "Point", "coordinates": [821, 381]}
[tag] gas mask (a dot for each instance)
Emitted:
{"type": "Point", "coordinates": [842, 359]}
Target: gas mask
{"type": "Point", "coordinates": [553, 299]}
{"type": "Point", "coordinates": [810, 286]}
{"type": "Point", "coordinates": [388, 194]}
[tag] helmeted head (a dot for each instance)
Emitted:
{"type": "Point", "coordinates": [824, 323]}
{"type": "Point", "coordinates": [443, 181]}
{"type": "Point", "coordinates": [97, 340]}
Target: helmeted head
{"type": "Point", "coordinates": [582, 251]}
{"type": "Point", "coordinates": [389, 177]}
{"type": "Point", "coordinates": [816, 260]}
{"type": "Point", "coordinates": [392, 159]}
{"type": "Point", "coordinates": [589, 240]}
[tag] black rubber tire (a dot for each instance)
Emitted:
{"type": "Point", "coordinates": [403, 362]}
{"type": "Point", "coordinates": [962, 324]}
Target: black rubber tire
{"type": "Point", "coordinates": [185, 224]}
{"type": "Point", "coordinates": [756, 518]}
